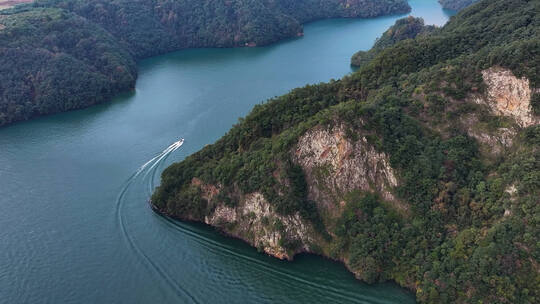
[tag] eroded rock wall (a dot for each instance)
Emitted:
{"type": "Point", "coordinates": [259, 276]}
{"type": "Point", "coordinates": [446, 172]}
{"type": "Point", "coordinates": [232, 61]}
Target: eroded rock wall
{"type": "Point", "coordinates": [255, 221]}
{"type": "Point", "coordinates": [508, 95]}
{"type": "Point", "coordinates": [335, 165]}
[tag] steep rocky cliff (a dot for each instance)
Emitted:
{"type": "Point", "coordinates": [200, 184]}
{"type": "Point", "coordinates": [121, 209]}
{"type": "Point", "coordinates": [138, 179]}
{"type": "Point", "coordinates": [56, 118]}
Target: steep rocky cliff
{"type": "Point", "coordinates": [335, 165]}
{"type": "Point", "coordinates": [255, 221]}
{"type": "Point", "coordinates": [509, 96]}
{"type": "Point", "coordinates": [421, 167]}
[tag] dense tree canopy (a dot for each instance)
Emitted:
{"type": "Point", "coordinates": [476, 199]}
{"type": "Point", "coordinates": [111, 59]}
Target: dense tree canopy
{"type": "Point", "coordinates": [151, 27]}
{"type": "Point", "coordinates": [471, 235]}
{"type": "Point", "coordinates": [52, 60]}
{"type": "Point", "coordinates": [407, 28]}
{"type": "Point", "coordinates": [456, 5]}
{"type": "Point", "coordinates": [58, 55]}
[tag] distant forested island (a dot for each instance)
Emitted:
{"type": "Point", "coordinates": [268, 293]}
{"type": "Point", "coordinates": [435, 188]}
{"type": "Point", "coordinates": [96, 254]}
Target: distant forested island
{"type": "Point", "coordinates": [58, 55]}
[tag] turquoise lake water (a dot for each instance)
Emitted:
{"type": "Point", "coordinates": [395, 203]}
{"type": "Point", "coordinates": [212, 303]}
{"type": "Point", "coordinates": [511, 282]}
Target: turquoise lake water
{"type": "Point", "coordinates": [75, 226]}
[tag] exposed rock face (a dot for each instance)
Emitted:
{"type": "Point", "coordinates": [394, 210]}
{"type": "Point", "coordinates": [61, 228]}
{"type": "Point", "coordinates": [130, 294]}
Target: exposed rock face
{"type": "Point", "coordinates": [492, 142]}
{"type": "Point", "coordinates": [208, 191]}
{"type": "Point", "coordinates": [508, 95]}
{"type": "Point", "coordinates": [255, 221]}
{"type": "Point", "coordinates": [335, 165]}
{"type": "Point", "coordinates": [503, 138]}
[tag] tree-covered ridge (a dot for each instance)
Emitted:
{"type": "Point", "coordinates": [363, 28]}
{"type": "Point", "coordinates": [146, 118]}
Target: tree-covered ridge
{"type": "Point", "coordinates": [406, 28]}
{"type": "Point", "coordinates": [456, 5]}
{"type": "Point", "coordinates": [470, 234]}
{"type": "Point", "coordinates": [53, 61]}
{"type": "Point", "coordinates": [151, 27]}
{"type": "Point", "coordinates": [58, 55]}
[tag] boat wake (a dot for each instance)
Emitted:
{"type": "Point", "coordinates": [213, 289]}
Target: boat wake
{"type": "Point", "coordinates": [146, 175]}
{"type": "Point", "coordinates": [157, 159]}
{"type": "Point", "coordinates": [150, 167]}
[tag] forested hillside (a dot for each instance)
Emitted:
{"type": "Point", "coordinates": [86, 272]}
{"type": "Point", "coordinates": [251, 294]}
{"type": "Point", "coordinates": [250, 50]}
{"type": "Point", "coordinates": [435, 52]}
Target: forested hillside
{"type": "Point", "coordinates": [456, 5]}
{"type": "Point", "coordinates": [422, 167]}
{"type": "Point", "coordinates": [58, 55]}
{"type": "Point", "coordinates": [52, 60]}
{"type": "Point", "coordinates": [4, 4]}
{"type": "Point", "coordinates": [407, 28]}
{"type": "Point", "coordinates": [152, 27]}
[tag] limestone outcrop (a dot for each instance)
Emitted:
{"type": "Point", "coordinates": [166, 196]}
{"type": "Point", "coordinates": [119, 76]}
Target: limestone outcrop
{"type": "Point", "coordinates": [508, 95]}
{"type": "Point", "coordinates": [336, 165]}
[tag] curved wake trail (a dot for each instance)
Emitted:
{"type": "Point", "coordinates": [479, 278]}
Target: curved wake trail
{"type": "Point", "coordinates": [121, 221]}
{"type": "Point", "coordinates": [160, 157]}
{"type": "Point", "coordinates": [167, 151]}
{"type": "Point", "coordinates": [148, 172]}
{"type": "Point", "coordinates": [155, 167]}
{"type": "Point", "coordinates": [217, 247]}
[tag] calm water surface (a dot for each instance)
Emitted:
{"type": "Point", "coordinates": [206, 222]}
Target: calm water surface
{"type": "Point", "coordinates": [74, 223]}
